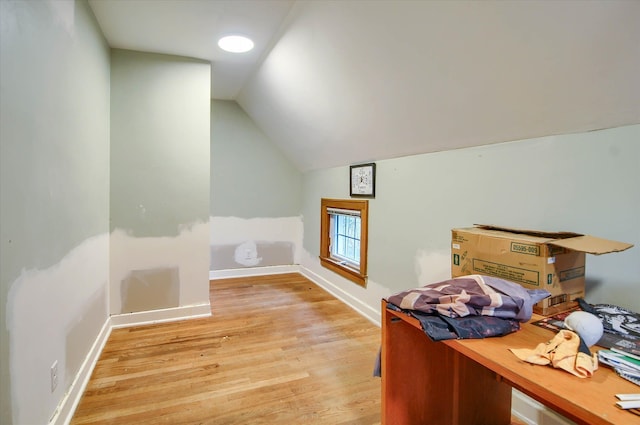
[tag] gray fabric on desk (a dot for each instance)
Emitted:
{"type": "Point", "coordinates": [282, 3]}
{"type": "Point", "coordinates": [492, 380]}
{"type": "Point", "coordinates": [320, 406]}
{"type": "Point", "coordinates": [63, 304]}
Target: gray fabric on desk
{"type": "Point", "coordinates": [472, 295]}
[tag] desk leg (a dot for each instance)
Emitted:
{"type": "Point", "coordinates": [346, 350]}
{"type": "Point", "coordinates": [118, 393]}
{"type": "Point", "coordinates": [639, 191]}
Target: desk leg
{"type": "Point", "coordinates": [480, 396]}
{"type": "Point", "coordinates": [426, 382]}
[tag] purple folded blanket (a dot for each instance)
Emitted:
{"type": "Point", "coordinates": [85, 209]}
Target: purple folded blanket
{"type": "Point", "coordinates": [472, 295]}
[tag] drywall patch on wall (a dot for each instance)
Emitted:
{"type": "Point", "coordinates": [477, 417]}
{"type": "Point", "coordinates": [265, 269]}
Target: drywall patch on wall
{"type": "Point", "coordinates": [187, 253]}
{"type": "Point", "coordinates": [81, 332]}
{"type": "Point", "coordinates": [278, 241]}
{"type": "Point", "coordinates": [42, 307]}
{"type": "Point", "coordinates": [252, 254]}
{"type": "Point", "coordinates": [153, 289]}
{"type": "Point", "coordinates": [432, 266]}
{"type": "Point", "coordinates": [246, 254]}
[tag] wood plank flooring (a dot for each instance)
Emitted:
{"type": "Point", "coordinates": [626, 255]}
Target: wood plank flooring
{"type": "Point", "coordinates": [277, 350]}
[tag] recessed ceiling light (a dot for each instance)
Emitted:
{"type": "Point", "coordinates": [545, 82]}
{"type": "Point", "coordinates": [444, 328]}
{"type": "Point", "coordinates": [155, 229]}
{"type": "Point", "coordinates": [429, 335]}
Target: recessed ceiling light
{"type": "Point", "coordinates": [235, 44]}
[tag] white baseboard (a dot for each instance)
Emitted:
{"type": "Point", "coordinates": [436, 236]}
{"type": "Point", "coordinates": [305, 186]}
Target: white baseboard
{"type": "Point", "coordinates": [252, 271]}
{"type": "Point", "coordinates": [67, 407]}
{"type": "Point", "coordinates": [531, 412]}
{"type": "Point", "coordinates": [71, 399]}
{"type": "Point", "coordinates": [364, 309]}
{"type": "Point", "coordinates": [523, 407]}
{"type": "Point", "coordinates": [351, 301]}
{"type": "Point", "coordinates": [160, 316]}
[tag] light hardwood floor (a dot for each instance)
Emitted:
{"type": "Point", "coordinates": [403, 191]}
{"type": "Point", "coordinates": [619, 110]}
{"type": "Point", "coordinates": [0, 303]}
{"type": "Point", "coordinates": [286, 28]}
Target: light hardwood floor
{"type": "Point", "coordinates": [277, 350]}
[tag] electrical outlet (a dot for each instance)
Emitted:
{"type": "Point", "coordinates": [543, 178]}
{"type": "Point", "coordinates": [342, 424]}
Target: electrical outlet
{"type": "Point", "coordinates": [54, 376]}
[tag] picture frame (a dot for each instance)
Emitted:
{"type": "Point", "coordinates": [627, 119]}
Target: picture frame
{"type": "Point", "coordinates": [362, 180]}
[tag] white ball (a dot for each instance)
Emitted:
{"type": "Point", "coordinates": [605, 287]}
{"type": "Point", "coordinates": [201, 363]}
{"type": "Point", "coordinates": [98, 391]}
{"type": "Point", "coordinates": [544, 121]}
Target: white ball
{"type": "Point", "coordinates": [588, 326]}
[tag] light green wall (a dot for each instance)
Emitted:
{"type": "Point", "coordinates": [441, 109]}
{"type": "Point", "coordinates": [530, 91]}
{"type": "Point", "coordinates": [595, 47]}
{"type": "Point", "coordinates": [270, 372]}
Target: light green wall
{"type": "Point", "coordinates": [250, 177]}
{"type": "Point", "coordinates": [585, 182]}
{"type": "Point", "coordinates": [159, 142]}
{"type": "Point", "coordinates": [255, 195]}
{"type": "Point", "coordinates": [54, 191]}
{"type": "Point", "coordinates": [55, 130]}
{"type": "Point", "coordinates": [160, 135]}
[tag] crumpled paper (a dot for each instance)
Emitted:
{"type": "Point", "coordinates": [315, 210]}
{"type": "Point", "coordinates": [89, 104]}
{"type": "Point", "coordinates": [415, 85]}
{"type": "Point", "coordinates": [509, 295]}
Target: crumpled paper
{"type": "Point", "coordinates": [563, 352]}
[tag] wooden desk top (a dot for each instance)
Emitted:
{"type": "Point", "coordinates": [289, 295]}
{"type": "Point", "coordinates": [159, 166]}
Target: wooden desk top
{"type": "Point", "coordinates": [584, 400]}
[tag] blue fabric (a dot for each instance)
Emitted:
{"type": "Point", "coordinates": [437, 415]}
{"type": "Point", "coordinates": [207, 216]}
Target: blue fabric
{"type": "Point", "coordinates": [440, 328]}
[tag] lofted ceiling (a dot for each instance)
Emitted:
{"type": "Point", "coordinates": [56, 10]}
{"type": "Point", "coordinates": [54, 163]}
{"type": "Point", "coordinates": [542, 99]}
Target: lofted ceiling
{"type": "Point", "coordinates": [192, 28]}
{"type": "Point", "coordinates": [339, 82]}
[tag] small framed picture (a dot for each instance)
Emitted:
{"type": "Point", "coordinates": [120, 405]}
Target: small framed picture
{"type": "Point", "coordinates": [363, 180]}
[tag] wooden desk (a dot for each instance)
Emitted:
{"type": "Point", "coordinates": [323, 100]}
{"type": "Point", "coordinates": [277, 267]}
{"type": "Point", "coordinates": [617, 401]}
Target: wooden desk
{"type": "Point", "coordinates": [469, 381]}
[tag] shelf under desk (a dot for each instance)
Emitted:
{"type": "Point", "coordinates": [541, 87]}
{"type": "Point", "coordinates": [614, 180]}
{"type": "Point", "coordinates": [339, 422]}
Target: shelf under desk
{"type": "Point", "coordinates": [469, 381]}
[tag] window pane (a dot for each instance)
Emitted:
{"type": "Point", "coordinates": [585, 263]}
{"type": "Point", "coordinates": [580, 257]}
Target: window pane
{"type": "Point", "coordinates": [341, 245]}
{"type": "Point", "coordinates": [352, 227]}
{"type": "Point", "coordinates": [350, 249]}
{"type": "Point", "coordinates": [341, 224]}
{"type": "Point", "coordinates": [333, 234]}
{"type": "Point", "coordinates": [346, 237]}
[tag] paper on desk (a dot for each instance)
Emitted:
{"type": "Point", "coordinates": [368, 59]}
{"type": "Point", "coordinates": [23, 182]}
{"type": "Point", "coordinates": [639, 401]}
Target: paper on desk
{"type": "Point", "coordinates": [561, 352]}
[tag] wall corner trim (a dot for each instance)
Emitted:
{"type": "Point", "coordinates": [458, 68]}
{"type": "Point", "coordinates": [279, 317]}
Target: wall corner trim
{"type": "Point", "coordinates": [253, 271]}
{"type": "Point", "coordinates": [69, 403]}
{"type": "Point", "coordinates": [360, 307]}
{"type": "Point", "coordinates": [353, 302]}
{"type": "Point", "coordinates": [330, 287]}
{"type": "Point", "coordinates": [194, 311]}
{"type": "Point", "coordinates": [523, 407]}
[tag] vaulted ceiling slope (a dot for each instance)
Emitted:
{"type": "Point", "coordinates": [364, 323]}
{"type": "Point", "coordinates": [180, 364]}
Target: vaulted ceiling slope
{"type": "Point", "coordinates": [340, 82]}
{"type": "Point", "coordinates": [192, 28]}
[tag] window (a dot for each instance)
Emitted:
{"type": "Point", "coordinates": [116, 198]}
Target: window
{"type": "Point", "coordinates": [343, 237]}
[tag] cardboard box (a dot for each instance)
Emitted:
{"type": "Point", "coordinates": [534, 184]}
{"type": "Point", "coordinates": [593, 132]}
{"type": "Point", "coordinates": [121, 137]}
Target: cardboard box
{"type": "Point", "coordinates": [554, 261]}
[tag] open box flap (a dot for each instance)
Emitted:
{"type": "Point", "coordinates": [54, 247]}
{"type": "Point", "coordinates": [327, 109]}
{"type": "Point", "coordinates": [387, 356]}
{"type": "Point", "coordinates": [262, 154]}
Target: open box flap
{"type": "Point", "coordinates": [591, 245]}
{"type": "Point", "coordinates": [568, 240]}
{"type": "Point", "coordinates": [537, 233]}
